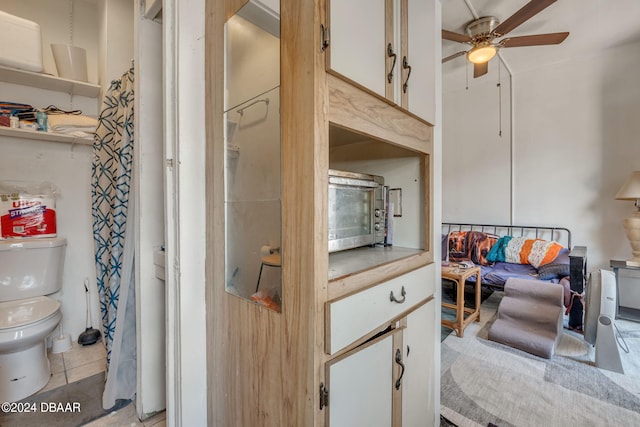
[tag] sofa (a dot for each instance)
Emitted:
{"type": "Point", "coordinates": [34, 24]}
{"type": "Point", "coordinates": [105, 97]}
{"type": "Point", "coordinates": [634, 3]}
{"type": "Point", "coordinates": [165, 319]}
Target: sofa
{"type": "Point", "coordinates": [539, 253]}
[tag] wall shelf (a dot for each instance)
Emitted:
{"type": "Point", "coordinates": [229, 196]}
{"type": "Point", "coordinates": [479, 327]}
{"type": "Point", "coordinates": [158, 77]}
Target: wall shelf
{"type": "Point", "coordinates": [43, 136]}
{"type": "Point", "coordinates": [49, 82]}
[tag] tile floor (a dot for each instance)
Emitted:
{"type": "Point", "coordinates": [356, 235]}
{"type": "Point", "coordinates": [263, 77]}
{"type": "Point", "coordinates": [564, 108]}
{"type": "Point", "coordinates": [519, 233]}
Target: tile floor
{"type": "Point", "coordinates": [75, 364]}
{"type": "Point", "coordinates": [81, 363]}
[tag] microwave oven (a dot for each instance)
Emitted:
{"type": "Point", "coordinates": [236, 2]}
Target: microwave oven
{"type": "Point", "coordinates": [356, 210]}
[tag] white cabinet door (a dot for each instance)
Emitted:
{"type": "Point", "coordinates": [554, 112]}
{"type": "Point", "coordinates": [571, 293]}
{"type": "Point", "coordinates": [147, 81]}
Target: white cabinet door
{"type": "Point", "coordinates": [360, 386]}
{"type": "Point", "coordinates": [418, 96]}
{"type": "Point", "coordinates": [419, 385]}
{"type": "Point", "coordinates": [357, 48]}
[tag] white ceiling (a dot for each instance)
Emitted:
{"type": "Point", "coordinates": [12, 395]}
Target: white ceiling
{"type": "Point", "coordinates": [593, 25]}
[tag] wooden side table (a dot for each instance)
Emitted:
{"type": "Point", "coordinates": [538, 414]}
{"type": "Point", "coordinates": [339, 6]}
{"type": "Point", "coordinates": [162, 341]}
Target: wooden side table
{"type": "Point", "coordinates": [459, 276]}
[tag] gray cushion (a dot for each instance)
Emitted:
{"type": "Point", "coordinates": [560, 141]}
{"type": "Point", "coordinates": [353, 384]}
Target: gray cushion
{"type": "Point", "coordinates": [553, 271]}
{"type": "Point", "coordinates": [529, 316]}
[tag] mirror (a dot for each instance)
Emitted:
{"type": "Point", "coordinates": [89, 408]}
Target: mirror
{"type": "Point", "coordinates": [253, 220]}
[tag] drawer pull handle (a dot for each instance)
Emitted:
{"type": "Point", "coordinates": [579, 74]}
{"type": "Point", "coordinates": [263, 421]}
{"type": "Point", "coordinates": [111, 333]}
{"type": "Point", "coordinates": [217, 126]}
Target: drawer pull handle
{"type": "Point", "coordinates": [399, 362]}
{"type": "Point", "coordinates": [399, 301]}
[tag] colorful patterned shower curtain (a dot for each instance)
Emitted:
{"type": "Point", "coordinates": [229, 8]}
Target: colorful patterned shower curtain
{"type": "Point", "coordinates": [114, 237]}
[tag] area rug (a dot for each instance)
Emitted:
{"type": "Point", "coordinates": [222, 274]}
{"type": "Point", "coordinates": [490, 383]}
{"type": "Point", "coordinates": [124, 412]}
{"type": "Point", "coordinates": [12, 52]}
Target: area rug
{"type": "Point", "coordinates": [71, 405]}
{"type": "Point", "coordinates": [449, 295]}
{"type": "Point", "coordinates": [483, 382]}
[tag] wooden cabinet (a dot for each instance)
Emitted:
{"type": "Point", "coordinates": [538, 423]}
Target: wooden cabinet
{"type": "Point", "coordinates": [387, 377]}
{"type": "Point", "coordinates": [329, 356]}
{"type": "Point", "coordinates": [387, 380]}
{"type": "Point", "coordinates": [386, 46]}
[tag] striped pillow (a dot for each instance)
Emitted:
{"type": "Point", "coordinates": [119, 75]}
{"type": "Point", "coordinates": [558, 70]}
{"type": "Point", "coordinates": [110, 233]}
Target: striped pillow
{"type": "Point", "coordinates": [537, 252]}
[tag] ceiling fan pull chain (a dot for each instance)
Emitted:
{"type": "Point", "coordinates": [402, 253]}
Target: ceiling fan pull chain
{"type": "Point", "coordinates": [499, 100]}
{"type": "Point", "coordinates": [466, 73]}
{"type": "Point", "coordinates": [391, 54]}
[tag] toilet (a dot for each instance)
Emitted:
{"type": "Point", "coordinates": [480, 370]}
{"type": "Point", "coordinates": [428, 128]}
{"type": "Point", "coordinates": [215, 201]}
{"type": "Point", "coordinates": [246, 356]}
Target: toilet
{"type": "Point", "coordinates": [30, 269]}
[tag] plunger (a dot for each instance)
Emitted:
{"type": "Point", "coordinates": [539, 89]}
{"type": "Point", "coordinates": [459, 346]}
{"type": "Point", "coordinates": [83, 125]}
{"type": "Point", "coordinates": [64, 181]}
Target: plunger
{"type": "Point", "coordinates": [90, 335]}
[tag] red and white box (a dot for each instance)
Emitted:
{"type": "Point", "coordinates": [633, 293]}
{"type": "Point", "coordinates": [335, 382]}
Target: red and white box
{"type": "Point", "coordinates": [26, 215]}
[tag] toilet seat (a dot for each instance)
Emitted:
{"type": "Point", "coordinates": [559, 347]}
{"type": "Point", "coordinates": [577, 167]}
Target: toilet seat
{"type": "Point", "coordinates": [28, 311]}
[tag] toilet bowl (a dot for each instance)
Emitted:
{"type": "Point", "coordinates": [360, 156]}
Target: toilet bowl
{"type": "Point", "coordinates": [29, 270]}
{"type": "Point", "coordinates": [24, 325]}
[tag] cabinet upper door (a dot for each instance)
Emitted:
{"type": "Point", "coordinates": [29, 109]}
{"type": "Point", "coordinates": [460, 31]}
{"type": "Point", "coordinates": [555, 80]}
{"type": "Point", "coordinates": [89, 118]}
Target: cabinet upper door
{"type": "Point", "coordinates": [418, 62]}
{"type": "Point", "coordinates": [357, 49]}
{"type": "Point", "coordinates": [360, 386]}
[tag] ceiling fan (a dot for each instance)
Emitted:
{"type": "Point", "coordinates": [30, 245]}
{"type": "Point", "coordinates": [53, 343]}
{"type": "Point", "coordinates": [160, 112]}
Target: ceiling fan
{"type": "Point", "coordinates": [482, 32]}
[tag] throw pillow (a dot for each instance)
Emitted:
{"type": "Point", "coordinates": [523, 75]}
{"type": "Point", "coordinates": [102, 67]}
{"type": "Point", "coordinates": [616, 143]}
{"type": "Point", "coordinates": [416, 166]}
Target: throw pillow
{"type": "Point", "coordinates": [552, 271]}
{"type": "Point", "coordinates": [480, 244]}
{"type": "Point", "coordinates": [497, 252]}
{"type": "Point", "coordinates": [543, 252]}
{"type": "Point", "coordinates": [537, 252]}
{"type": "Point", "coordinates": [458, 249]}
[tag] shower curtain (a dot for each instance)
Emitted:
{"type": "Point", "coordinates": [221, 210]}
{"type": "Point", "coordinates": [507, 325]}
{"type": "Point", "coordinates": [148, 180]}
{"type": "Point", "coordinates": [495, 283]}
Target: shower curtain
{"type": "Point", "coordinates": [114, 237]}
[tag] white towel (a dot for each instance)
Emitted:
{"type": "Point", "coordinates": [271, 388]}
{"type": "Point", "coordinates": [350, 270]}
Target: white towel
{"type": "Point", "coordinates": [71, 123]}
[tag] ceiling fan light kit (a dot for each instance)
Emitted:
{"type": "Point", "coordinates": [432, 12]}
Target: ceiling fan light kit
{"type": "Point", "coordinates": [482, 53]}
{"type": "Point", "coordinates": [482, 32]}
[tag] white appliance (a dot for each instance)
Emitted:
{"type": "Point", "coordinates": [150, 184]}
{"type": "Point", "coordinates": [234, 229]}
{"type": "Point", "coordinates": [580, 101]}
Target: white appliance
{"type": "Point", "coordinates": [30, 269]}
{"type": "Point", "coordinates": [21, 45]}
{"type": "Point", "coordinates": [600, 319]}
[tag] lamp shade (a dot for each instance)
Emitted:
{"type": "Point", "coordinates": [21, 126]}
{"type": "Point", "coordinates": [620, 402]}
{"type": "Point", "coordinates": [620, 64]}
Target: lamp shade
{"type": "Point", "coordinates": [631, 189]}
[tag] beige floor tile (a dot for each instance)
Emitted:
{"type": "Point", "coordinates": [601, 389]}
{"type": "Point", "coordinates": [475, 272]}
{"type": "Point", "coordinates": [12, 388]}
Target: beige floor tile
{"type": "Point", "coordinates": [57, 380]}
{"type": "Point", "coordinates": [86, 370]}
{"type": "Point", "coordinates": [56, 362]}
{"type": "Point", "coordinates": [158, 420]}
{"type": "Point", "coordinates": [122, 418]}
{"type": "Point", "coordinates": [81, 355]}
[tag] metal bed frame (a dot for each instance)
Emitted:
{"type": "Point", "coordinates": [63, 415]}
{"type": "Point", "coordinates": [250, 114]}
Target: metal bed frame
{"type": "Point", "coordinates": [559, 234]}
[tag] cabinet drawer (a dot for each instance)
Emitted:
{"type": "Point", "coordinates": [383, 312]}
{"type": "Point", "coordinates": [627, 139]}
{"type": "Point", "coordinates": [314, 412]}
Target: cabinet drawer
{"type": "Point", "coordinates": [354, 317]}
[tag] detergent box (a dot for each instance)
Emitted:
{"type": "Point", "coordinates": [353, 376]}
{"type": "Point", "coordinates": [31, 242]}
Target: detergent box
{"type": "Point", "coordinates": [23, 214]}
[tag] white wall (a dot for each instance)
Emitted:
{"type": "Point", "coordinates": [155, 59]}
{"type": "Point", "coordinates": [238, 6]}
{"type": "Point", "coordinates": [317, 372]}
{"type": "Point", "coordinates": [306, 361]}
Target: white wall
{"type": "Point", "coordinates": [66, 166]}
{"type": "Point", "coordinates": [575, 141]}
{"type": "Point", "coordinates": [476, 149]}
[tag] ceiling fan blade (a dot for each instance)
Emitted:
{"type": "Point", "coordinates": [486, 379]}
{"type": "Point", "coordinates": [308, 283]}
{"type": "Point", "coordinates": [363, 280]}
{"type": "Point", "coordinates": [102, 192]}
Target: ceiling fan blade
{"type": "Point", "coordinates": [456, 37]}
{"type": "Point", "coordinates": [527, 11]}
{"type": "Point", "coordinates": [534, 40]}
{"type": "Point", "coordinates": [480, 69]}
{"type": "Point", "coordinates": [454, 56]}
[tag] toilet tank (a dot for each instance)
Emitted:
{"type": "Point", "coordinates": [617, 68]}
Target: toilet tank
{"type": "Point", "coordinates": [30, 267]}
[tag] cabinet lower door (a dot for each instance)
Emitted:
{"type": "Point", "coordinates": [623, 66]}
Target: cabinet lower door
{"type": "Point", "coordinates": [419, 385]}
{"type": "Point", "coordinates": [361, 385]}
